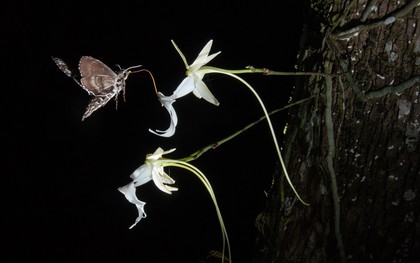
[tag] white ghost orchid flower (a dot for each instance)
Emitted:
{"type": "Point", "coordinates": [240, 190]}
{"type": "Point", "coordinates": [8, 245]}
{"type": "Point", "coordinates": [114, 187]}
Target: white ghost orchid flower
{"type": "Point", "coordinates": [167, 103]}
{"type": "Point", "coordinates": [152, 169]}
{"type": "Point", "coordinates": [193, 82]}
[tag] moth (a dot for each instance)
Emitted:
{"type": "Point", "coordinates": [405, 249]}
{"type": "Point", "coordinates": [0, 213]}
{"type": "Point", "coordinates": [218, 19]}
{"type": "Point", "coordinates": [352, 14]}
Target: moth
{"type": "Point", "coordinates": [98, 80]}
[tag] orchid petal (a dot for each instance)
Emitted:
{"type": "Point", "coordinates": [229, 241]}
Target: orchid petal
{"type": "Point", "coordinates": [142, 175]}
{"type": "Point", "coordinates": [210, 58]}
{"type": "Point", "coordinates": [129, 192]}
{"type": "Point", "coordinates": [164, 177]}
{"type": "Point", "coordinates": [171, 188]}
{"type": "Point", "coordinates": [168, 151]}
{"type": "Point", "coordinates": [186, 86]}
{"type": "Point", "coordinates": [202, 91]}
{"type": "Point", "coordinates": [158, 181]}
{"type": "Point", "coordinates": [202, 56]}
{"type": "Point", "coordinates": [156, 155]}
{"type": "Point", "coordinates": [180, 54]}
{"type": "Point", "coordinates": [194, 68]}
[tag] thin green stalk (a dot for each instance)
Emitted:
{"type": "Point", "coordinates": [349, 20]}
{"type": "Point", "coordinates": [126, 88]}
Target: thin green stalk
{"type": "Point", "coordinates": [200, 152]}
{"type": "Point", "coordinates": [205, 181]}
{"type": "Point", "coordinates": [269, 125]}
{"type": "Point", "coordinates": [265, 71]}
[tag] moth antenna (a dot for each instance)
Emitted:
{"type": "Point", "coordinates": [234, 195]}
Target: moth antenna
{"type": "Point", "coordinates": [128, 69]}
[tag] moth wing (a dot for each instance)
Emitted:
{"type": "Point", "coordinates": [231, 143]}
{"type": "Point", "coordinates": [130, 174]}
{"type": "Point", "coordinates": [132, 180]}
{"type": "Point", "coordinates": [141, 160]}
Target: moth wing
{"type": "Point", "coordinates": [97, 78]}
{"type": "Point", "coordinates": [99, 85]}
{"type": "Point", "coordinates": [63, 66]}
{"type": "Point", "coordinates": [94, 104]}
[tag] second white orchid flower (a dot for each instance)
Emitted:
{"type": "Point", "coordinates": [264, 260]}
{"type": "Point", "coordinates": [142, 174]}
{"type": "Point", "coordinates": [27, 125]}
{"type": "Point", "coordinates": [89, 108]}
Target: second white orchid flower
{"type": "Point", "coordinates": [152, 169]}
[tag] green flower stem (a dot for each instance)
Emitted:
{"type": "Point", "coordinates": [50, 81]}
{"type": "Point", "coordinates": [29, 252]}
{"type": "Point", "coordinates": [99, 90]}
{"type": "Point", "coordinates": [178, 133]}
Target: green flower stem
{"type": "Point", "coordinates": [205, 181]}
{"type": "Point", "coordinates": [198, 153]}
{"type": "Point", "coordinates": [222, 71]}
{"type": "Point", "coordinates": [265, 71]}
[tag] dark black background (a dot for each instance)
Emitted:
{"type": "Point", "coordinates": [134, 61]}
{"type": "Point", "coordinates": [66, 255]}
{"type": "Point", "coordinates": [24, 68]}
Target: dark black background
{"type": "Point", "coordinates": [60, 176]}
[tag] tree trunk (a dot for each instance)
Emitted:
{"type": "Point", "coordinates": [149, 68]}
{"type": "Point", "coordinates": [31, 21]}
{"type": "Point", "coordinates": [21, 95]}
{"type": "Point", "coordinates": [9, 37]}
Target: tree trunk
{"type": "Point", "coordinates": [352, 151]}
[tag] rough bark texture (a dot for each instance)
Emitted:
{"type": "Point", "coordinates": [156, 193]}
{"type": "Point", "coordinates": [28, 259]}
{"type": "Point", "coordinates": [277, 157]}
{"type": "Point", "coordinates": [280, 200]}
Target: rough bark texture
{"type": "Point", "coordinates": [353, 149]}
